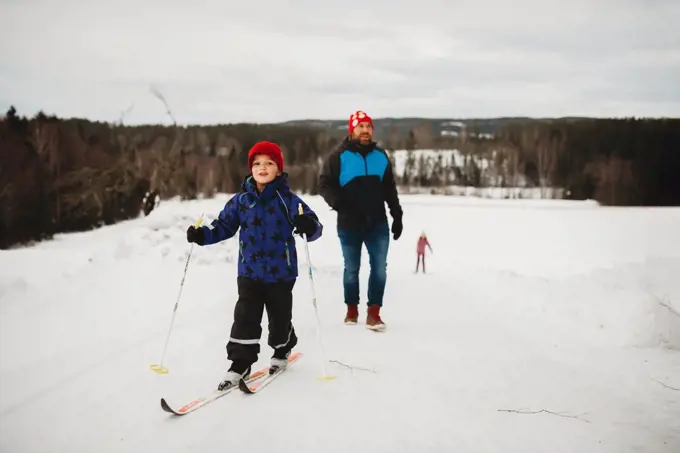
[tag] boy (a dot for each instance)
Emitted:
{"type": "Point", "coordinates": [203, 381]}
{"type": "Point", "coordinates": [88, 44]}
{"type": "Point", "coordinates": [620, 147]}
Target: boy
{"type": "Point", "coordinates": [266, 212]}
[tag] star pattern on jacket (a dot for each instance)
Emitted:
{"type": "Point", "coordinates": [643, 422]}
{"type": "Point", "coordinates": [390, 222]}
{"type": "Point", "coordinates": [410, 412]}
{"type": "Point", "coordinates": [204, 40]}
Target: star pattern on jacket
{"type": "Point", "coordinates": [262, 218]}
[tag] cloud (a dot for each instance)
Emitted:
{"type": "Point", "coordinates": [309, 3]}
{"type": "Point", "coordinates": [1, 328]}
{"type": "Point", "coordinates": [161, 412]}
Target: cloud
{"type": "Point", "coordinates": [222, 62]}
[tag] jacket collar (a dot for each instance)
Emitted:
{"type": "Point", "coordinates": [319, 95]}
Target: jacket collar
{"type": "Point", "coordinates": [280, 185]}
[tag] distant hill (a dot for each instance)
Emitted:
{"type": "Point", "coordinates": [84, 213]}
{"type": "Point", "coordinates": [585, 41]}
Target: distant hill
{"type": "Point", "coordinates": [439, 126]}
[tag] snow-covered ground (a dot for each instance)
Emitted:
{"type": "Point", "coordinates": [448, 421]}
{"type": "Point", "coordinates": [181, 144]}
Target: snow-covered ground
{"type": "Point", "coordinates": [542, 326]}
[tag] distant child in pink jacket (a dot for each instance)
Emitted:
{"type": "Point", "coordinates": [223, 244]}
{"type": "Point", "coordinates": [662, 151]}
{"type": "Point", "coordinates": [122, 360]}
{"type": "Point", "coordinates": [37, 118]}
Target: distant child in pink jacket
{"type": "Point", "coordinates": [422, 242]}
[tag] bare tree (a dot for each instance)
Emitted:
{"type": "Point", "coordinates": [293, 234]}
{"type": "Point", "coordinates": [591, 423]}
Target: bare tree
{"type": "Point", "coordinates": [45, 140]}
{"type": "Point", "coordinates": [548, 146]}
{"type": "Point", "coordinates": [124, 113]}
{"type": "Point", "coordinates": [160, 96]}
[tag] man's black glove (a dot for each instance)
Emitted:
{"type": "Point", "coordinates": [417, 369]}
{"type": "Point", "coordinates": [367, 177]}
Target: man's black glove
{"type": "Point", "coordinates": [305, 224]}
{"type": "Point", "coordinates": [397, 227]}
{"type": "Point", "coordinates": [195, 235]}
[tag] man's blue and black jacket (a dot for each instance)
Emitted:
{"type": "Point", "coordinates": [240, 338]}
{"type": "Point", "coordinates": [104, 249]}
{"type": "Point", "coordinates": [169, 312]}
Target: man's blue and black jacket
{"type": "Point", "coordinates": [357, 180]}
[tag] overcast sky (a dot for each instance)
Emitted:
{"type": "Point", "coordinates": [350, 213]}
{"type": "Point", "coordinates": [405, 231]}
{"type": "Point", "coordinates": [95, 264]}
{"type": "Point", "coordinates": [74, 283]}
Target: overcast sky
{"type": "Point", "coordinates": [220, 61]}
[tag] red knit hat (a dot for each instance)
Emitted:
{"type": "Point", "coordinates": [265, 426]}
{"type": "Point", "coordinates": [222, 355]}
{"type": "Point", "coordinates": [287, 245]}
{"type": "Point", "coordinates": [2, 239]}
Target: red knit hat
{"type": "Point", "coordinates": [358, 117]}
{"type": "Point", "coordinates": [268, 148]}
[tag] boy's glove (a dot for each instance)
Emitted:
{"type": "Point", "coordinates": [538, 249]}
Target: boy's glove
{"type": "Point", "coordinates": [195, 235]}
{"type": "Point", "coordinates": [305, 224]}
{"type": "Point", "coordinates": [397, 227]}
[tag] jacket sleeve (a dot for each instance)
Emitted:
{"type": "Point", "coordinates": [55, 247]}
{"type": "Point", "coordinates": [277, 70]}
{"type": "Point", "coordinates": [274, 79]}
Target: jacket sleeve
{"type": "Point", "coordinates": [390, 194]}
{"type": "Point", "coordinates": [306, 210]}
{"type": "Point", "coordinates": [329, 185]}
{"type": "Point", "coordinates": [225, 225]}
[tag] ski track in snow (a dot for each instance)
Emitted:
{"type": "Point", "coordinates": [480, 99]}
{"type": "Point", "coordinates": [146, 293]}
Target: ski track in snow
{"type": "Point", "coordinates": [529, 306]}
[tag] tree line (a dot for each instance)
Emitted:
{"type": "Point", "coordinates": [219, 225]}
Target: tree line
{"type": "Point", "coordinates": [625, 162]}
{"type": "Point", "coordinates": [60, 175]}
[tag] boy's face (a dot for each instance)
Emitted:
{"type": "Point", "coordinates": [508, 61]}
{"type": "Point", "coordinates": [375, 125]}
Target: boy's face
{"type": "Point", "coordinates": [264, 169]}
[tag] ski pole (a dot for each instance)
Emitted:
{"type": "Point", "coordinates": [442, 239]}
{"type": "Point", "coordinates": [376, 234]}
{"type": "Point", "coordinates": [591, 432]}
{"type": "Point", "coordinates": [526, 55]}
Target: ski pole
{"type": "Point", "coordinates": [159, 368]}
{"type": "Point", "coordinates": [316, 310]}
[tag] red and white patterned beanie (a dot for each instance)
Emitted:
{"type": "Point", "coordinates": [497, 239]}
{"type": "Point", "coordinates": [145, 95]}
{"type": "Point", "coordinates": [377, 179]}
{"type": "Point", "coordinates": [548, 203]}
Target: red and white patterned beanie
{"type": "Point", "coordinates": [358, 117]}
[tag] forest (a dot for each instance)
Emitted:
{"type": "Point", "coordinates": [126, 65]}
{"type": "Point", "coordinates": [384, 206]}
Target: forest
{"type": "Point", "coordinates": [60, 175]}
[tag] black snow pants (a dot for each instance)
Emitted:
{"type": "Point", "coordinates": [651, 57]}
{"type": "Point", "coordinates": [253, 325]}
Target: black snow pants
{"type": "Point", "coordinates": [243, 347]}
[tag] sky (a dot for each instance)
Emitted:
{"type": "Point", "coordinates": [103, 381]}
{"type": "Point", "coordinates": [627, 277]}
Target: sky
{"type": "Point", "coordinates": [224, 61]}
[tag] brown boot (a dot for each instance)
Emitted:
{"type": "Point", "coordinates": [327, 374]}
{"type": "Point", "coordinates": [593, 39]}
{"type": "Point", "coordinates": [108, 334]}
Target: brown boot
{"type": "Point", "coordinates": [352, 316]}
{"type": "Point", "coordinates": [373, 320]}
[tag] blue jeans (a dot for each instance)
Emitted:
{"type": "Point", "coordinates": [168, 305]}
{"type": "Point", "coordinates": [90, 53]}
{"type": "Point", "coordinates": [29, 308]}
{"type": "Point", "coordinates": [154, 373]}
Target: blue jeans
{"type": "Point", "coordinates": [377, 240]}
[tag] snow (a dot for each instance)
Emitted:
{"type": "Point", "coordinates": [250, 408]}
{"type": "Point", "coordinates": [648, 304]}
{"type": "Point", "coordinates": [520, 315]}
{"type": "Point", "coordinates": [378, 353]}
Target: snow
{"type": "Point", "coordinates": [529, 305]}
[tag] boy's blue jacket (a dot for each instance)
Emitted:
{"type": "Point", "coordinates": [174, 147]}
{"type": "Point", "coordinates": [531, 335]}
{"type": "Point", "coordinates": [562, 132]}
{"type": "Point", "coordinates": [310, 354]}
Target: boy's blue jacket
{"type": "Point", "coordinates": [266, 244]}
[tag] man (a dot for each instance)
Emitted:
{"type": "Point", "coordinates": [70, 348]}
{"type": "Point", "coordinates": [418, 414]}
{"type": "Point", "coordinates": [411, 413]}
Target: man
{"type": "Point", "coordinates": [357, 181]}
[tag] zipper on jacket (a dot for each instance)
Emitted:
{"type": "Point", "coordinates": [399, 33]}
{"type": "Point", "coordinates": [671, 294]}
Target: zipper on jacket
{"type": "Point", "coordinates": [240, 250]}
{"type": "Point", "coordinates": [365, 162]}
{"type": "Point", "coordinates": [287, 254]}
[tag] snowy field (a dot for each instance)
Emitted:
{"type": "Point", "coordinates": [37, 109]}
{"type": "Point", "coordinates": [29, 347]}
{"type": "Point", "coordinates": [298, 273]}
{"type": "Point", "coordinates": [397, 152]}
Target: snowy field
{"type": "Point", "coordinates": [541, 326]}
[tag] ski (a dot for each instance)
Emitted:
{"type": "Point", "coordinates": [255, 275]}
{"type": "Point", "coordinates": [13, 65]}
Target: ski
{"type": "Point", "coordinates": [250, 388]}
{"type": "Point", "coordinates": [203, 400]}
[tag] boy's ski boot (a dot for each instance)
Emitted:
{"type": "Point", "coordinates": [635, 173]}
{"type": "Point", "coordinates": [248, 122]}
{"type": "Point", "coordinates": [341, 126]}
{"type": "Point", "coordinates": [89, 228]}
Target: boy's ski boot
{"type": "Point", "coordinates": [277, 365]}
{"type": "Point", "coordinates": [232, 377]}
{"type": "Point", "coordinates": [279, 362]}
